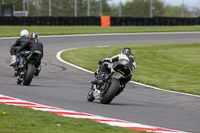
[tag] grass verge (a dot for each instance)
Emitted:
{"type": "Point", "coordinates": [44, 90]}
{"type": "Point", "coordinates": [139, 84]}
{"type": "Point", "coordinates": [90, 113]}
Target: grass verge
{"type": "Point", "coordinates": [171, 74]}
{"type": "Point", "coordinates": [167, 66]}
{"type": "Point", "coordinates": [25, 120]}
{"type": "Point", "coordinates": [66, 30]}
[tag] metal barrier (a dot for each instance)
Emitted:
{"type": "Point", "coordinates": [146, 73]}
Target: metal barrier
{"type": "Point", "coordinates": [96, 21]}
{"type": "Point", "coordinates": [68, 21]}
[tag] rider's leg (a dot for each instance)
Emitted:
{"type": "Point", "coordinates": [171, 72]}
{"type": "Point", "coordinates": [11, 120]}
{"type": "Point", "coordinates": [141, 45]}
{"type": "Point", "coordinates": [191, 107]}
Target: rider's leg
{"type": "Point", "coordinates": [38, 68]}
{"type": "Point", "coordinates": [13, 55]}
{"type": "Point", "coordinates": [13, 60]}
{"type": "Point", "coordinates": [101, 74]}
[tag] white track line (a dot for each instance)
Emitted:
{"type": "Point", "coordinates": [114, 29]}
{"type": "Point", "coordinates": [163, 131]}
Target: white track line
{"type": "Point", "coordinates": [58, 56]}
{"type": "Point", "coordinates": [113, 34]}
{"type": "Point", "coordinates": [109, 34]}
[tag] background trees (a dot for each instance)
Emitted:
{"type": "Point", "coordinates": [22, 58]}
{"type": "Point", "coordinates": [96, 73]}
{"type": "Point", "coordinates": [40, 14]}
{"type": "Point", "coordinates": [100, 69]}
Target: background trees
{"type": "Point", "coordinates": [133, 8]}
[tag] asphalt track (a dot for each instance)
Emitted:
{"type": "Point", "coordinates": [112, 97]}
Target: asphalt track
{"type": "Point", "coordinates": [63, 86]}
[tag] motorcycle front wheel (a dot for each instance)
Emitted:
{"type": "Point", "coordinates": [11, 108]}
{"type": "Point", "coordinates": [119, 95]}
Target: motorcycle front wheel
{"type": "Point", "coordinates": [111, 92]}
{"type": "Point", "coordinates": [29, 74]}
{"type": "Point", "coordinates": [90, 96]}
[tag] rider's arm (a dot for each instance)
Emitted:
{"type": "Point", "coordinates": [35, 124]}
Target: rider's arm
{"type": "Point", "coordinates": [23, 46]}
{"type": "Point", "coordinates": [106, 60]}
{"type": "Point", "coordinates": [42, 49]}
{"type": "Point", "coordinates": [16, 43]}
{"type": "Point", "coordinates": [112, 59]}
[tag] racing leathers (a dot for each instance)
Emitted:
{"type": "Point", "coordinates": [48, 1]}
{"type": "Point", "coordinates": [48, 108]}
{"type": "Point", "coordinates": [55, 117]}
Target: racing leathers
{"type": "Point", "coordinates": [33, 45]}
{"type": "Point", "coordinates": [14, 48]}
{"type": "Point", "coordinates": [107, 63]}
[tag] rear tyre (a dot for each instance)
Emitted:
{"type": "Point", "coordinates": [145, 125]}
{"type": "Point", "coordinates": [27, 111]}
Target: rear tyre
{"type": "Point", "coordinates": [111, 93]}
{"type": "Point", "coordinates": [29, 74]}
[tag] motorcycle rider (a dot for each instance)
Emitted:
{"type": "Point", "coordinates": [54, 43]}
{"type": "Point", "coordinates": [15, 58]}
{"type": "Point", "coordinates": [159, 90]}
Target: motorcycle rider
{"type": "Point", "coordinates": [33, 45]}
{"type": "Point", "coordinates": [19, 42]}
{"type": "Point", "coordinates": [106, 64]}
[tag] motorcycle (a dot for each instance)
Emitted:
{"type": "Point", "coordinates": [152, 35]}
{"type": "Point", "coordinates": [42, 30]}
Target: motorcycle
{"type": "Point", "coordinates": [113, 83]}
{"type": "Point", "coordinates": [26, 61]}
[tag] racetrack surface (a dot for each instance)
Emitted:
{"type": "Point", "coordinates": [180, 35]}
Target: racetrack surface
{"type": "Point", "coordinates": [63, 86]}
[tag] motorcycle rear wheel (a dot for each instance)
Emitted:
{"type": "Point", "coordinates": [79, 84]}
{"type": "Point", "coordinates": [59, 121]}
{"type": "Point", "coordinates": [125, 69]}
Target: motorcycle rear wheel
{"type": "Point", "coordinates": [111, 92]}
{"type": "Point", "coordinates": [29, 74]}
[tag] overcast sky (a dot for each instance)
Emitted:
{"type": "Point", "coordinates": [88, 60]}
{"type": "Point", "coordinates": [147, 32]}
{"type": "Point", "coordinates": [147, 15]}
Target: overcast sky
{"type": "Point", "coordinates": [189, 3]}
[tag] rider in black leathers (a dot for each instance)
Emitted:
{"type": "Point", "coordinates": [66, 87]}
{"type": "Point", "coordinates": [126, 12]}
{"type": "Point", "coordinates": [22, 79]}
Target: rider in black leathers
{"type": "Point", "coordinates": [18, 44]}
{"type": "Point", "coordinates": [32, 45]}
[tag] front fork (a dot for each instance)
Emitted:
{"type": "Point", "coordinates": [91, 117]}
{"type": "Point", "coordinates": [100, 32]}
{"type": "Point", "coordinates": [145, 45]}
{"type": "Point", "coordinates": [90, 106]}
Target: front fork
{"type": "Point", "coordinates": [99, 90]}
{"type": "Point", "coordinates": [21, 70]}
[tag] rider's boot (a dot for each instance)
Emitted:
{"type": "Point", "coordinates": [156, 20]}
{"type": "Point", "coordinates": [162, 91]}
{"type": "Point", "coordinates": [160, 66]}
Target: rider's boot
{"type": "Point", "coordinates": [37, 71]}
{"type": "Point", "coordinates": [99, 79]}
{"type": "Point", "coordinates": [13, 61]}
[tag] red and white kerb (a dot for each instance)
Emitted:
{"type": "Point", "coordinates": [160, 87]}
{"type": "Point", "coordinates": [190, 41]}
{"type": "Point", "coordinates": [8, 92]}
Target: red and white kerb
{"type": "Point", "coordinates": [74, 114]}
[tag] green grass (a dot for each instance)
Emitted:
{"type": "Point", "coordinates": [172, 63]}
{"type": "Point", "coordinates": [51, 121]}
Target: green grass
{"type": "Point", "coordinates": [25, 120]}
{"type": "Point", "coordinates": [172, 66]}
{"type": "Point", "coordinates": [168, 66]}
{"type": "Point", "coordinates": [10, 31]}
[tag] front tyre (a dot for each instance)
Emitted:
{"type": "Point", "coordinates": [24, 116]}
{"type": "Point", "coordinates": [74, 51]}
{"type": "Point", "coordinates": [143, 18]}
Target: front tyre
{"type": "Point", "coordinates": [90, 96]}
{"type": "Point", "coordinates": [29, 74]}
{"type": "Point", "coordinates": [111, 92]}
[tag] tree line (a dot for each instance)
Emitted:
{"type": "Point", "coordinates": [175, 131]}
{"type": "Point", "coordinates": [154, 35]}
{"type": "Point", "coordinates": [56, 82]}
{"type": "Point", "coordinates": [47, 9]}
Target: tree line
{"type": "Point", "coordinates": [133, 8]}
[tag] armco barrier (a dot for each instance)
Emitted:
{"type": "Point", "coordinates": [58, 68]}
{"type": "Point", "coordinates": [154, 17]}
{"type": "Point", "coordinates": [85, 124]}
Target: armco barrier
{"type": "Point", "coordinates": [68, 21]}
{"type": "Point", "coordinates": [96, 21]}
{"type": "Point", "coordinates": [155, 21]}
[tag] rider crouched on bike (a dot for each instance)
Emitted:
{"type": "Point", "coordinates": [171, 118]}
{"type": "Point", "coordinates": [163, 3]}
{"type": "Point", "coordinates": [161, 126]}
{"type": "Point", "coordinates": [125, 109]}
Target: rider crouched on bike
{"type": "Point", "coordinates": [33, 45]}
{"type": "Point", "coordinates": [24, 34]}
{"type": "Point", "coordinates": [106, 64]}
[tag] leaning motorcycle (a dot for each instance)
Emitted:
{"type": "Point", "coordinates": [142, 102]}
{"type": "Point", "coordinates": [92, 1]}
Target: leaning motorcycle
{"type": "Point", "coordinates": [113, 84]}
{"type": "Point", "coordinates": [26, 62]}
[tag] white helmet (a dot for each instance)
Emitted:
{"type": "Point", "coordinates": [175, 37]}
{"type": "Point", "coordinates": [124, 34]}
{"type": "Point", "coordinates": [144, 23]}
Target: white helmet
{"type": "Point", "coordinates": [24, 33]}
